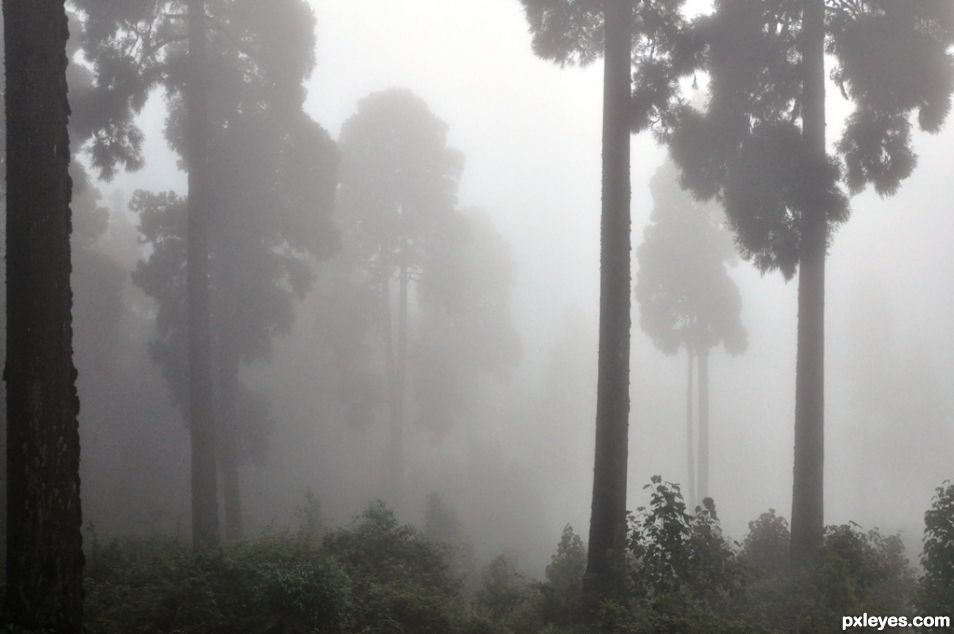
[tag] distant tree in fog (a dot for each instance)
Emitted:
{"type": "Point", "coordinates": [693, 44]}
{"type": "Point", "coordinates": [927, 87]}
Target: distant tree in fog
{"type": "Point", "coordinates": [261, 177]}
{"type": "Point", "coordinates": [686, 297]}
{"type": "Point", "coordinates": [438, 280]}
{"type": "Point", "coordinates": [760, 147]}
{"type": "Point", "coordinates": [398, 190]}
{"type": "Point", "coordinates": [651, 36]}
{"type": "Point", "coordinates": [465, 328]}
{"type": "Point", "coordinates": [44, 556]}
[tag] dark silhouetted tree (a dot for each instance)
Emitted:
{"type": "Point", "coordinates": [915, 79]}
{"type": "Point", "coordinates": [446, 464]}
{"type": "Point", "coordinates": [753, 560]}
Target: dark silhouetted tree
{"type": "Point", "coordinates": [760, 147]}
{"type": "Point", "coordinates": [273, 173]}
{"type": "Point", "coordinates": [653, 37]}
{"type": "Point", "coordinates": [686, 297]}
{"type": "Point", "coordinates": [135, 47]}
{"type": "Point", "coordinates": [44, 561]}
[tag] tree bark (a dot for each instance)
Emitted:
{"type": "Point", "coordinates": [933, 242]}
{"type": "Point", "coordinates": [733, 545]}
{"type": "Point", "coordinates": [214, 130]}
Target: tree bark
{"type": "Point", "coordinates": [205, 514]}
{"type": "Point", "coordinates": [704, 424]}
{"type": "Point", "coordinates": [604, 574]}
{"type": "Point", "coordinates": [808, 481]}
{"type": "Point", "coordinates": [44, 567]}
{"type": "Point", "coordinates": [690, 436]}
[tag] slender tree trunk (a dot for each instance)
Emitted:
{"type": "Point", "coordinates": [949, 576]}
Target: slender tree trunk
{"type": "Point", "coordinates": [228, 434]}
{"type": "Point", "coordinates": [395, 457]}
{"type": "Point", "coordinates": [704, 424]}
{"type": "Point", "coordinates": [205, 514]}
{"type": "Point", "coordinates": [400, 375]}
{"type": "Point", "coordinates": [808, 482]}
{"type": "Point", "coordinates": [604, 575]}
{"type": "Point", "coordinates": [690, 436]}
{"type": "Point", "coordinates": [44, 567]}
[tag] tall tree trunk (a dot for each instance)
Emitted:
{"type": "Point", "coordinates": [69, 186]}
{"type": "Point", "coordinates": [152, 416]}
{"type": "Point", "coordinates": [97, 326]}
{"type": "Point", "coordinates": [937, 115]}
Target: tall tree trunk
{"type": "Point", "coordinates": [400, 374]}
{"type": "Point", "coordinates": [226, 413]}
{"type": "Point", "coordinates": [703, 423]}
{"type": "Point", "coordinates": [44, 567]}
{"type": "Point", "coordinates": [205, 514]}
{"type": "Point", "coordinates": [395, 457]}
{"type": "Point", "coordinates": [808, 482]}
{"type": "Point", "coordinates": [603, 577]}
{"type": "Point", "coordinates": [690, 436]}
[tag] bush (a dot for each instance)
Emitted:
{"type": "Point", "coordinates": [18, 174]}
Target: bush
{"type": "Point", "coordinates": [935, 594]}
{"type": "Point", "coordinates": [562, 592]}
{"type": "Point", "coordinates": [375, 576]}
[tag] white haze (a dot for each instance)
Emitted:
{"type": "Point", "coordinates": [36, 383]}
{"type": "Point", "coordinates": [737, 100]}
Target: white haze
{"type": "Point", "coordinates": [530, 132]}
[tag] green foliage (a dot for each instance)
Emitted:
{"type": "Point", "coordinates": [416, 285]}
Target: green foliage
{"type": "Point", "coordinates": [272, 585]}
{"type": "Point", "coordinates": [374, 576]}
{"type": "Point", "coordinates": [443, 528]}
{"type": "Point", "coordinates": [509, 601]}
{"type": "Point", "coordinates": [890, 59]}
{"type": "Point", "coordinates": [685, 576]}
{"type": "Point", "coordinates": [855, 572]}
{"type": "Point", "coordinates": [936, 588]}
{"type": "Point", "coordinates": [378, 575]}
{"type": "Point", "coordinates": [765, 549]}
{"type": "Point", "coordinates": [664, 48]}
{"type": "Point", "coordinates": [563, 590]}
{"type": "Point", "coordinates": [686, 297]}
{"type": "Point", "coordinates": [677, 556]}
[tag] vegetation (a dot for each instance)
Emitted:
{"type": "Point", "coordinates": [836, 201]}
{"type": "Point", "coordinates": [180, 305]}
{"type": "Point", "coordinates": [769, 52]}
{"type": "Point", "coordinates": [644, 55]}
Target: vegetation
{"type": "Point", "coordinates": [377, 575]}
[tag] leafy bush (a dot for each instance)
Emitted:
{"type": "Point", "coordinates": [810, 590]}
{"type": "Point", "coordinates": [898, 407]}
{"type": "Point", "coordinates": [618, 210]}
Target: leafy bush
{"type": "Point", "coordinates": [677, 554]}
{"type": "Point", "coordinates": [562, 592]}
{"type": "Point", "coordinates": [374, 576]}
{"type": "Point", "coordinates": [935, 595]}
{"type": "Point", "coordinates": [508, 601]}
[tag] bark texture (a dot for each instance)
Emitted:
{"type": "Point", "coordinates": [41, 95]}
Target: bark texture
{"type": "Point", "coordinates": [44, 567]}
{"type": "Point", "coordinates": [808, 489]}
{"type": "Point", "coordinates": [205, 513]}
{"type": "Point", "coordinates": [603, 577]}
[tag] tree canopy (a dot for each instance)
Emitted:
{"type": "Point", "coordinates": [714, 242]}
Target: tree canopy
{"type": "Point", "coordinates": [685, 294]}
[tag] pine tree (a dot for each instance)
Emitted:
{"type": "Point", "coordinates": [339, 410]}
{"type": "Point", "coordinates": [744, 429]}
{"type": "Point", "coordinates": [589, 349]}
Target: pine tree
{"type": "Point", "coordinates": [760, 147]}
{"type": "Point", "coordinates": [686, 297]}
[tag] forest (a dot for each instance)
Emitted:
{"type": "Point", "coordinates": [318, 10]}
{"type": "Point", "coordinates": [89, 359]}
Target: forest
{"type": "Point", "coordinates": [477, 316]}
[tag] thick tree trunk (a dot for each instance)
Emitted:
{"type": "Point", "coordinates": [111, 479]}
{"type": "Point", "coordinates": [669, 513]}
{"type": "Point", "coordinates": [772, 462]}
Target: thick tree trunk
{"type": "Point", "coordinates": [226, 413]}
{"type": "Point", "coordinates": [603, 577]}
{"type": "Point", "coordinates": [690, 435]}
{"type": "Point", "coordinates": [44, 567]}
{"type": "Point", "coordinates": [704, 424]}
{"type": "Point", "coordinates": [205, 514]}
{"type": "Point", "coordinates": [808, 483]}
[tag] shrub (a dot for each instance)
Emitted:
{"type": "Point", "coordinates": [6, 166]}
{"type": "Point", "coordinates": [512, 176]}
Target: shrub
{"type": "Point", "coordinates": [935, 595]}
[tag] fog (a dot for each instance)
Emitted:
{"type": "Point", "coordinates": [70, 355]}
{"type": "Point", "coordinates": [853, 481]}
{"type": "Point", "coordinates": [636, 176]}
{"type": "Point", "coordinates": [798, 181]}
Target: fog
{"type": "Point", "coordinates": [515, 461]}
